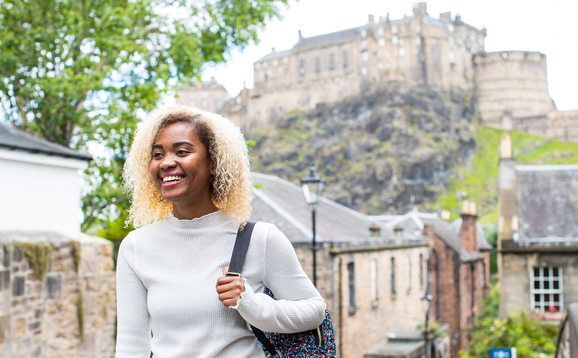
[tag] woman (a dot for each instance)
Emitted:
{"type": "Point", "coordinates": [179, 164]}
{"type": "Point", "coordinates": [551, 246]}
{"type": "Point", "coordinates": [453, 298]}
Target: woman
{"type": "Point", "coordinates": [188, 172]}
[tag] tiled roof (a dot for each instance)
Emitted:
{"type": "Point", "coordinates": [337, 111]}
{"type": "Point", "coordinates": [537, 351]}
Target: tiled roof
{"type": "Point", "coordinates": [547, 201]}
{"type": "Point", "coordinates": [274, 55]}
{"type": "Point", "coordinates": [328, 39]}
{"type": "Point", "coordinates": [14, 139]}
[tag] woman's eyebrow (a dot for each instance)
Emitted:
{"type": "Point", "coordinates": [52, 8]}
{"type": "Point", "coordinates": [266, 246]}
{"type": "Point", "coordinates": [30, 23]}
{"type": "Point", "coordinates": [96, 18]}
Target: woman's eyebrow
{"type": "Point", "coordinates": [184, 142]}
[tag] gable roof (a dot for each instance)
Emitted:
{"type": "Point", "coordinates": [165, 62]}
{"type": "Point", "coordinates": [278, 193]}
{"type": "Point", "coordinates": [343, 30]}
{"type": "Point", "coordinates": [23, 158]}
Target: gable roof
{"type": "Point", "coordinates": [15, 139]}
{"type": "Point", "coordinates": [281, 203]}
{"type": "Point", "coordinates": [547, 202]}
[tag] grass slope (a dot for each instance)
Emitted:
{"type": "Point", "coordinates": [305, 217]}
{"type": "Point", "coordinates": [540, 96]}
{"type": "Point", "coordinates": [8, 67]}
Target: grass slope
{"type": "Point", "coordinates": [480, 178]}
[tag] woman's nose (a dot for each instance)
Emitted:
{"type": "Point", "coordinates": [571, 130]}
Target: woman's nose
{"type": "Point", "coordinates": [167, 162]}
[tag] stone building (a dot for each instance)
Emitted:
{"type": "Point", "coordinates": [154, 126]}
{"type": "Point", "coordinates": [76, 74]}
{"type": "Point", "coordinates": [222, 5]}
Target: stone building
{"type": "Point", "coordinates": [372, 278]}
{"type": "Point", "coordinates": [511, 87]}
{"type": "Point", "coordinates": [537, 236]}
{"type": "Point", "coordinates": [57, 285]}
{"type": "Point", "coordinates": [208, 95]}
{"type": "Point", "coordinates": [459, 268]}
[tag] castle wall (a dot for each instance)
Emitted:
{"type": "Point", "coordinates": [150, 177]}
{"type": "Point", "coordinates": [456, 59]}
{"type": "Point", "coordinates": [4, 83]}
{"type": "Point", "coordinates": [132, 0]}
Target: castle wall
{"type": "Point", "coordinates": [512, 83]}
{"type": "Point", "coordinates": [57, 295]}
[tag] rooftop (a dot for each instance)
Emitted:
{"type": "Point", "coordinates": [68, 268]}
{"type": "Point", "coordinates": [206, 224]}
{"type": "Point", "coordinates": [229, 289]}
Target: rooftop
{"type": "Point", "coordinates": [547, 201]}
{"type": "Point", "coordinates": [15, 139]}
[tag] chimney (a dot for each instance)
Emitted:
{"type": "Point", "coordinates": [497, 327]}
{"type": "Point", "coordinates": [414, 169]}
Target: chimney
{"type": "Point", "coordinates": [447, 16]}
{"type": "Point", "coordinates": [398, 231]}
{"type": "Point", "coordinates": [507, 206]}
{"type": "Point", "coordinates": [468, 230]}
{"type": "Point", "coordinates": [420, 10]}
{"type": "Point", "coordinates": [371, 19]}
{"type": "Point", "coordinates": [374, 230]}
{"type": "Point", "coordinates": [273, 49]}
{"type": "Point", "coordinates": [300, 36]}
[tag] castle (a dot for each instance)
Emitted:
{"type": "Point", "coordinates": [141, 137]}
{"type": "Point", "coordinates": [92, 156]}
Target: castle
{"type": "Point", "coordinates": [511, 86]}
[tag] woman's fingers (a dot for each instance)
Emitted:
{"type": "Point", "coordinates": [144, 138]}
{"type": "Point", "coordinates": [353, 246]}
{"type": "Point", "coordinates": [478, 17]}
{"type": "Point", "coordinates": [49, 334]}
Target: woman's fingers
{"type": "Point", "coordinates": [230, 289]}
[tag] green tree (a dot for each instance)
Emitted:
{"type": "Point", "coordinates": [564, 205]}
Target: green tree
{"type": "Point", "coordinates": [81, 73]}
{"type": "Point", "coordinates": [531, 337]}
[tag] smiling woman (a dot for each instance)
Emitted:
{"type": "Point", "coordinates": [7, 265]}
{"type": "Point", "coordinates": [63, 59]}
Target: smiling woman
{"type": "Point", "coordinates": [188, 173]}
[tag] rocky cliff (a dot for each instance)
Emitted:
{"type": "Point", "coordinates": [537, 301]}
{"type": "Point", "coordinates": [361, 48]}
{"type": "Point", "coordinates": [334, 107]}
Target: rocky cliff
{"type": "Point", "coordinates": [383, 151]}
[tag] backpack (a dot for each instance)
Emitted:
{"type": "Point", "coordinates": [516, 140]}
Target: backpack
{"type": "Point", "coordinates": [316, 343]}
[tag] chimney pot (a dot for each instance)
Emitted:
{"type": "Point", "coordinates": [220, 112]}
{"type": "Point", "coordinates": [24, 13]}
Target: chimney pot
{"type": "Point", "coordinates": [374, 230]}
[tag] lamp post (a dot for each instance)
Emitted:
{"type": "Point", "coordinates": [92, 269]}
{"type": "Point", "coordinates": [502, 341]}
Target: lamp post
{"type": "Point", "coordinates": [312, 186]}
{"type": "Point", "coordinates": [426, 301]}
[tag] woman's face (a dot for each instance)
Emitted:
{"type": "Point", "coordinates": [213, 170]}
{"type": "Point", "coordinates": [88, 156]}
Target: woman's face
{"type": "Point", "coordinates": [181, 168]}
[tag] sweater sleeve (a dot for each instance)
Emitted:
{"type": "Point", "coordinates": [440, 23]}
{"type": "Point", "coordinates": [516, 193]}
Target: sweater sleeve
{"type": "Point", "coordinates": [133, 329]}
{"type": "Point", "coordinates": [299, 306]}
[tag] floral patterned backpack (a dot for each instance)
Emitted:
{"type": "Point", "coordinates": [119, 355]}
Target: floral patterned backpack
{"type": "Point", "coordinates": [316, 343]}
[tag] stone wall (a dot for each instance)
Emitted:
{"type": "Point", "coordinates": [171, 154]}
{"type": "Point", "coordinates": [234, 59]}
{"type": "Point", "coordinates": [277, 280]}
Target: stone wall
{"type": "Point", "coordinates": [513, 83]}
{"type": "Point", "coordinates": [363, 320]}
{"type": "Point", "coordinates": [57, 296]}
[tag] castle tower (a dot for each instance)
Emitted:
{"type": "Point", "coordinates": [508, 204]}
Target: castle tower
{"type": "Point", "coordinates": [512, 83]}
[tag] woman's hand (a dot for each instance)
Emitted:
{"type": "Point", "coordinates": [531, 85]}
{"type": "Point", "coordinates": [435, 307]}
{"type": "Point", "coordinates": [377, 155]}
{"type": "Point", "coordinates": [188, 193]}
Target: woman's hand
{"type": "Point", "coordinates": [230, 288]}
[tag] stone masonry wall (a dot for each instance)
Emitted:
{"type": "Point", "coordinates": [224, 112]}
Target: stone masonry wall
{"type": "Point", "coordinates": [376, 310]}
{"type": "Point", "coordinates": [57, 296]}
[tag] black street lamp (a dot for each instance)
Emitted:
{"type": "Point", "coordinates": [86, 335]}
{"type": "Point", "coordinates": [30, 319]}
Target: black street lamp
{"type": "Point", "coordinates": [312, 186]}
{"type": "Point", "coordinates": [426, 301]}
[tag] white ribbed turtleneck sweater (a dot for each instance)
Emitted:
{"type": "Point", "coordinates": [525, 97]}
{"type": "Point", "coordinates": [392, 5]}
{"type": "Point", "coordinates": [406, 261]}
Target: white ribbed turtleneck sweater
{"type": "Point", "coordinates": [166, 283]}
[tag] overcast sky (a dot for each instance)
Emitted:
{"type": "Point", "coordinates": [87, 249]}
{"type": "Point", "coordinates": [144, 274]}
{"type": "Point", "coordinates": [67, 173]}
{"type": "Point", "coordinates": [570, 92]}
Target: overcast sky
{"type": "Point", "coordinates": [550, 27]}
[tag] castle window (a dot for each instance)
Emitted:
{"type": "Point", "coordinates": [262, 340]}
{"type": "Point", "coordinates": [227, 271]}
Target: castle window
{"type": "Point", "coordinates": [345, 60]}
{"type": "Point", "coordinates": [302, 67]}
{"type": "Point", "coordinates": [394, 40]}
{"type": "Point", "coordinates": [331, 61]}
{"type": "Point", "coordinates": [546, 289]}
{"type": "Point", "coordinates": [317, 65]}
{"type": "Point", "coordinates": [381, 41]}
{"type": "Point", "coordinates": [351, 277]}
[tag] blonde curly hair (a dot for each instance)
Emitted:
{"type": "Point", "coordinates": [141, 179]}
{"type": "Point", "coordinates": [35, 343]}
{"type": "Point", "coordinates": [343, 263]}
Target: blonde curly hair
{"type": "Point", "coordinates": [231, 186]}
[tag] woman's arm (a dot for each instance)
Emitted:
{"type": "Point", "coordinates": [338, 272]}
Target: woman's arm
{"type": "Point", "coordinates": [299, 307]}
{"type": "Point", "coordinates": [133, 329]}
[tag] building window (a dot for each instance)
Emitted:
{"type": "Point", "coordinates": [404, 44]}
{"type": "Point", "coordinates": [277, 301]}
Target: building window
{"type": "Point", "coordinates": [364, 56]}
{"type": "Point", "coordinates": [302, 67]}
{"type": "Point", "coordinates": [393, 29]}
{"type": "Point", "coordinates": [351, 275]}
{"type": "Point", "coordinates": [402, 51]}
{"type": "Point", "coordinates": [395, 40]}
{"type": "Point", "coordinates": [393, 276]}
{"type": "Point", "coordinates": [421, 272]}
{"type": "Point", "coordinates": [331, 61]}
{"type": "Point", "coordinates": [380, 31]}
{"type": "Point", "coordinates": [408, 272]}
{"type": "Point", "coordinates": [546, 289]}
{"type": "Point", "coordinates": [483, 275]}
{"type": "Point", "coordinates": [373, 289]}
{"type": "Point", "coordinates": [317, 65]}
{"type": "Point", "coordinates": [345, 60]}
{"type": "Point", "coordinates": [381, 42]}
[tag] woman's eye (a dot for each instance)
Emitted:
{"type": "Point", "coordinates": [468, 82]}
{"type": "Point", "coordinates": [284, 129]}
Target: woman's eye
{"type": "Point", "coordinates": [157, 155]}
{"type": "Point", "coordinates": [181, 152]}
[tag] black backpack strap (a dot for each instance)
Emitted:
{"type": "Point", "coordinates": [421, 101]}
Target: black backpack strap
{"type": "Point", "coordinates": [235, 266]}
{"type": "Point", "coordinates": [240, 249]}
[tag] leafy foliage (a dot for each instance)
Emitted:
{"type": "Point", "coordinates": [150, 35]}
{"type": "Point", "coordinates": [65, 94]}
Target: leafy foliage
{"type": "Point", "coordinates": [531, 337]}
{"type": "Point", "coordinates": [80, 73]}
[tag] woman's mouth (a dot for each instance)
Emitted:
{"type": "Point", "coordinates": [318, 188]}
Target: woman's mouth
{"type": "Point", "coordinates": [172, 180]}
